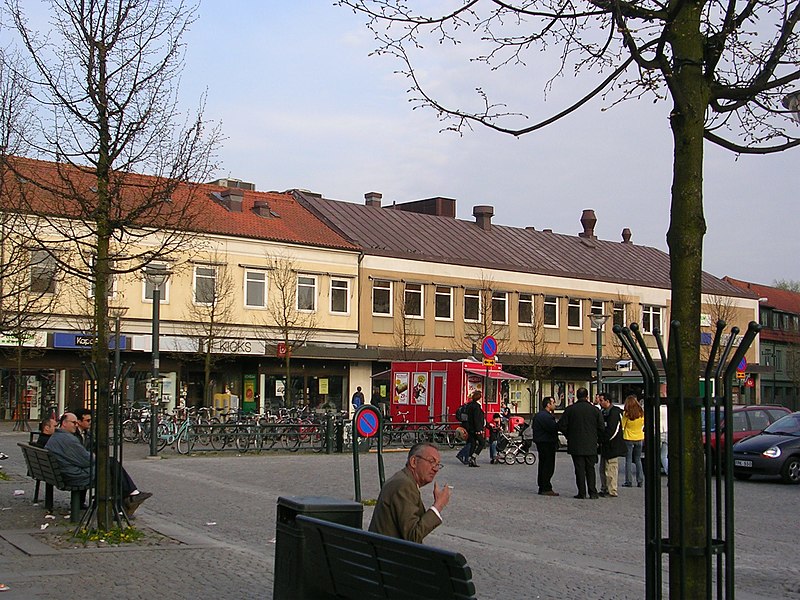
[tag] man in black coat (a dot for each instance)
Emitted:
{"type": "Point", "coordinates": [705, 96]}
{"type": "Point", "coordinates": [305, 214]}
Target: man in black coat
{"type": "Point", "coordinates": [476, 425]}
{"type": "Point", "coordinates": [612, 447]}
{"type": "Point", "coordinates": [583, 425]}
{"type": "Point", "coordinates": [545, 436]}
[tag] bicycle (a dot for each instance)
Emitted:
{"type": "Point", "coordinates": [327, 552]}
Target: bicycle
{"type": "Point", "coordinates": [181, 436]}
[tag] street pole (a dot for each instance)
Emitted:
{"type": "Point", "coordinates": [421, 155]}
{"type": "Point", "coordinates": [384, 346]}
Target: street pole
{"type": "Point", "coordinates": [598, 320]}
{"type": "Point", "coordinates": [156, 276]}
{"type": "Point", "coordinates": [774, 372]}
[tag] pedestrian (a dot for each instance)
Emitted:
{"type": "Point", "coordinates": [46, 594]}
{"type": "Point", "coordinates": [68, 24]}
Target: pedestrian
{"type": "Point", "coordinates": [582, 423]}
{"type": "Point", "coordinates": [463, 418]}
{"type": "Point", "coordinates": [358, 398]}
{"type": "Point", "coordinates": [399, 511]}
{"type": "Point", "coordinates": [476, 424]}
{"type": "Point", "coordinates": [611, 447]}
{"type": "Point", "coordinates": [494, 427]}
{"type": "Point", "coordinates": [545, 436]}
{"type": "Point", "coordinates": [633, 432]}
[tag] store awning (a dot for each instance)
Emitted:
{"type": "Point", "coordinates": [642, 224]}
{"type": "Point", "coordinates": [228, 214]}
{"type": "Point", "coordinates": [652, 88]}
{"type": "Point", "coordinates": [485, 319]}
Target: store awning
{"type": "Point", "coordinates": [612, 380]}
{"type": "Point", "coordinates": [494, 374]}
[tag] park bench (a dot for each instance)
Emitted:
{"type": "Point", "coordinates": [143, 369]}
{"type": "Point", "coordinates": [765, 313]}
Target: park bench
{"type": "Point", "coordinates": [347, 563]}
{"type": "Point", "coordinates": [43, 466]}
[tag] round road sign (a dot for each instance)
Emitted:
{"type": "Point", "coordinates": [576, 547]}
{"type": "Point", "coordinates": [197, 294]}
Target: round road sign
{"type": "Point", "coordinates": [367, 423]}
{"type": "Point", "coordinates": [489, 347]}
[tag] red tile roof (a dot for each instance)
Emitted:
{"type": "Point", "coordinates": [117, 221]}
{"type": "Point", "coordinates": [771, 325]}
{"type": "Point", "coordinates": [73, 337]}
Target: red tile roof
{"type": "Point", "coordinates": [198, 206]}
{"type": "Point", "coordinates": [783, 300]}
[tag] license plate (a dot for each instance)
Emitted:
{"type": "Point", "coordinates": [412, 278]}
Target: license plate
{"type": "Point", "coordinates": [743, 463]}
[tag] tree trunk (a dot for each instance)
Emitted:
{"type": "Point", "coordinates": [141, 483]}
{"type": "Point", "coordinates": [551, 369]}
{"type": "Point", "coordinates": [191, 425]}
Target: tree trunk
{"type": "Point", "coordinates": [685, 238]}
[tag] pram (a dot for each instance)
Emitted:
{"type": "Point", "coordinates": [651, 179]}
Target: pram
{"type": "Point", "coordinates": [517, 449]}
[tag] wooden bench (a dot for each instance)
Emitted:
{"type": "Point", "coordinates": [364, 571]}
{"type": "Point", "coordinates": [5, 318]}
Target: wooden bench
{"type": "Point", "coordinates": [347, 563]}
{"type": "Point", "coordinates": [43, 466]}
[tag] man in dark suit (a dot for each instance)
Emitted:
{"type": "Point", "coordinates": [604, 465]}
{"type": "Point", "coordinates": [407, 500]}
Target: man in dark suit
{"type": "Point", "coordinates": [545, 436]}
{"type": "Point", "coordinates": [399, 511]}
{"type": "Point", "coordinates": [583, 425]}
{"type": "Point", "coordinates": [476, 427]}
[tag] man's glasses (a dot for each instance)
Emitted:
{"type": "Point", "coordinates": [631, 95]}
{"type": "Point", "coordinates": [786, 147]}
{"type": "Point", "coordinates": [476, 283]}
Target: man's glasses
{"type": "Point", "coordinates": [433, 462]}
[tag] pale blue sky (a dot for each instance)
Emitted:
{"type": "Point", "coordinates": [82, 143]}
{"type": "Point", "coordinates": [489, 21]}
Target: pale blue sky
{"type": "Point", "coordinates": [303, 105]}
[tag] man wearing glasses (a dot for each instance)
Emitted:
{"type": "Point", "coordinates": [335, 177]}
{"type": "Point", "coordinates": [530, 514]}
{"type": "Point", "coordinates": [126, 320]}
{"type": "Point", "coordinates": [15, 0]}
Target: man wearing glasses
{"type": "Point", "coordinates": [399, 511]}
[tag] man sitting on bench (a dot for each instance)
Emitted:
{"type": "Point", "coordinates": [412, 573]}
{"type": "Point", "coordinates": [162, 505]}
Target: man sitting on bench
{"type": "Point", "coordinates": [75, 462]}
{"type": "Point", "coordinates": [400, 512]}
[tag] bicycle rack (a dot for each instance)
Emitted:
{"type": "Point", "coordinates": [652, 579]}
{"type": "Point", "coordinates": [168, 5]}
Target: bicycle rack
{"type": "Point", "coordinates": [718, 501]}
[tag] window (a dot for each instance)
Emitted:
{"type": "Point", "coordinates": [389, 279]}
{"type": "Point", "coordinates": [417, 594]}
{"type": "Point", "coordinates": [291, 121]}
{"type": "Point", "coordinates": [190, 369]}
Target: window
{"type": "Point", "coordinates": [472, 305]}
{"type": "Point", "coordinates": [499, 307]}
{"type": "Point", "coordinates": [340, 296]}
{"type": "Point", "coordinates": [43, 272]}
{"type": "Point", "coordinates": [412, 300]}
{"type": "Point", "coordinates": [651, 318]}
{"type": "Point", "coordinates": [255, 288]}
{"type": "Point", "coordinates": [306, 293]}
{"type": "Point", "coordinates": [619, 314]}
{"type": "Point", "coordinates": [525, 309]}
{"type": "Point", "coordinates": [111, 288]}
{"type": "Point", "coordinates": [596, 309]}
{"type": "Point", "coordinates": [574, 313]}
{"type": "Point", "coordinates": [163, 290]}
{"type": "Point", "coordinates": [763, 317]}
{"type": "Point", "coordinates": [551, 311]}
{"type": "Point", "coordinates": [205, 285]}
{"type": "Point", "coordinates": [444, 303]}
{"type": "Point", "coordinates": [381, 297]}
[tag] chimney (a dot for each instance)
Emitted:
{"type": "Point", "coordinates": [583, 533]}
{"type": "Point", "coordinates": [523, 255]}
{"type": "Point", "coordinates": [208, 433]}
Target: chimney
{"type": "Point", "coordinates": [483, 216]}
{"type": "Point", "coordinates": [232, 199]}
{"type": "Point", "coordinates": [588, 220]}
{"type": "Point", "coordinates": [373, 199]}
{"type": "Point", "coordinates": [261, 208]}
{"type": "Point", "coordinates": [626, 236]}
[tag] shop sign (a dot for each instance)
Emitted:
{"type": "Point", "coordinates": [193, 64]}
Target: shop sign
{"type": "Point", "coordinates": [80, 341]}
{"type": "Point", "coordinates": [31, 339]}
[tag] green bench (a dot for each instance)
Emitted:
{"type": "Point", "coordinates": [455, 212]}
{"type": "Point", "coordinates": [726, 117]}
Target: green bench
{"type": "Point", "coordinates": [342, 562]}
{"type": "Point", "coordinates": [43, 466]}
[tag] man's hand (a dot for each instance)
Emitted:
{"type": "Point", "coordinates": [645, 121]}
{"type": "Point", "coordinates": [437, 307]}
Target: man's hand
{"type": "Point", "coordinates": [441, 496]}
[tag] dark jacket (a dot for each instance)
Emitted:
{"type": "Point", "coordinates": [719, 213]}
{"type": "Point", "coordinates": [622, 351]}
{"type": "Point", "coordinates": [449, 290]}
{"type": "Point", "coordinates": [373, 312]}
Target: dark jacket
{"type": "Point", "coordinates": [613, 444]}
{"type": "Point", "coordinates": [74, 460]}
{"type": "Point", "coordinates": [583, 425]}
{"type": "Point", "coordinates": [545, 428]}
{"type": "Point", "coordinates": [476, 418]}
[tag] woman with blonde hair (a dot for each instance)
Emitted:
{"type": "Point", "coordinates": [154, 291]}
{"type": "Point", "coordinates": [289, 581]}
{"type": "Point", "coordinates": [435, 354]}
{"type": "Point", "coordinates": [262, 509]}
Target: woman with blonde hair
{"type": "Point", "coordinates": [633, 434]}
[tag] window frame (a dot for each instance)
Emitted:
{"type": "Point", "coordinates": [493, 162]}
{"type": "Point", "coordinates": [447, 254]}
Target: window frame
{"type": "Point", "coordinates": [524, 298]}
{"type": "Point", "coordinates": [147, 289]}
{"type": "Point", "coordinates": [497, 299]}
{"type": "Point", "coordinates": [473, 294]}
{"type": "Point", "coordinates": [248, 281]}
{"type": "Point", "coordinates": [551, 301]}
{"type": "Point", "coordinates": [419, 292]}
{"type": "Point", "coordinates": [648, 311]}
{"type": "Point", "coordinates": [313, 286]}
{"type": "Point", "coordinates": [388, 289]}
{"type": "Point", "coordinates": [574, 311]}
{"type": "Point", "coordinates": [335, 290]}
{"type": "Point", "coordinates": [47, 264]}
{"type": "Point", "coordinates": [195, 277]}
{"type": "Point", "coordinates": [438, 294]}
{"type": "Point", "coordinates": [618, 309]}
{"type": "Point", "coordinates": [593, 310]}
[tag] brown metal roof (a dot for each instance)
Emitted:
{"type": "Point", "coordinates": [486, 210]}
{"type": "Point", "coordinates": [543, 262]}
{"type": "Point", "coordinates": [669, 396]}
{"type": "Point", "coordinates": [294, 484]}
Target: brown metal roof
{"type": "Point", "coordinates": [401, 234]}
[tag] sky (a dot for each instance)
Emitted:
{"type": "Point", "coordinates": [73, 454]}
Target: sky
{"type": "Point", "coordinates": [302, 104]}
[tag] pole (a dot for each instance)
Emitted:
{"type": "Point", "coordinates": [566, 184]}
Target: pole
{"type": "Point", "coordinates": [599, 359]}
{"type": "Point", "coordinates": [156, 395]}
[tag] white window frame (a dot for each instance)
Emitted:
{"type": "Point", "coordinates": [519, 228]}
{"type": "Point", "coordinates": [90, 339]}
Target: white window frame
{"type": "Point", "coordinates": [575, 305]}
{"type": "Point", "coordinates": [498, 297]}
{"type": "Point", "coordinates": [597, 308]}
{"type": "Point", "coordinates": [383, 286]}
{"type": "Point", "coordinates": [472, 293]}
{"type": "Point", "coordinates": [648, 312]}
{"type": "Point", "coordinates": [338, 289]}
{"type": "Point", "coordinates": [525, 299]}
{"type": "Point", "coordinates": [310, 283]}
{"type": "Point", "coordinates": [439, 294]}
{"type": "Point", "coordinates": [147, 289]}
{"type": "Point", "coordinates": [196, 276]}
{"type": "Point", "coordinates": [249, 280]}
{"type": "Point", "coordinates": [417, 289]}
{"type": "Point", "coordinates": [553, 301]}
{"type": "Point", "coordinates": [619, 309]}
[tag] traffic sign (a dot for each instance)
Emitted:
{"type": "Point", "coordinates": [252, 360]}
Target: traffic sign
{"type": "Point", "coordinates": [742, 365]}
{"type": "Point", "coordinates": [740, 375]}
{"type": "Point", "coordinates": [489, 347]}
{"type": "Point", "coordinates": [367, 422]}
{"type": "Point", "coordinates": [489, 362]}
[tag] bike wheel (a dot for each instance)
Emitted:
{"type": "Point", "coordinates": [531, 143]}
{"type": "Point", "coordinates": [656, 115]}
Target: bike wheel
{"type": "Point", "coordinates": [242, 439]}
{"type": "Point", "coordinates": [164, 434]}
{"type": "Point", "coordinates": [451, 438]}
{"type": "Point", "coordinates": [203, 433]}
{"type": "Point", "coordinates": [185, 441]}
{"type": "Point", "coordinates": [291, 439]}
{"type": "Point", "coordinates": [131, 431]}
{"type": "Point", "coordinates": [530, 458]}
{"type": "Point", "coordinates": [407, 438]}
{"type": "Point", "coordinates": [218, 438]}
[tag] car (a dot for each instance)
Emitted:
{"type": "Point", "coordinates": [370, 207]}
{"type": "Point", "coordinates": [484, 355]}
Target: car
{"type": "Point", "coordinates": [748, 419]}
{"type": "Point", "coordinates": [773, 452]}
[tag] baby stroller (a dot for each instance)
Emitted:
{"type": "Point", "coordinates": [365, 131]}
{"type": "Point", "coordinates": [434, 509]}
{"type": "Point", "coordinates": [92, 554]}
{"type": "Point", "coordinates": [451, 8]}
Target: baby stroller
{"type": "Point", "coordinates": [512, 450]}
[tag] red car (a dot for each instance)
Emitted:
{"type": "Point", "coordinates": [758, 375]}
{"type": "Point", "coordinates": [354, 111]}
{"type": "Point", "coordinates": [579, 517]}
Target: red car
{"type": "Point", "coordinates": [748, 420]}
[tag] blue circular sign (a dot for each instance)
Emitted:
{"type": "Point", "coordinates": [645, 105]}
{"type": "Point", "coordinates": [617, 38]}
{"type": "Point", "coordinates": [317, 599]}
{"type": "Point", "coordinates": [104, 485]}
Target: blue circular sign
{"type": "Point", "coordinates": [367, 423]}
{"type": "Point", "coordinates": [489, 347]}
{"type": "Point", "coordinates": [742, 365]}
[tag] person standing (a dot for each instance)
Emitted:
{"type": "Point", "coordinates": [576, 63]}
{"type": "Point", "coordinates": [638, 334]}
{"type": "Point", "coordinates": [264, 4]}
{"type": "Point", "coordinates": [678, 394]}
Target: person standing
{"type": "Point", "coordinates": [358, 398]}
{"type": "Point", "coordinates": [611, 447]}
{"type": "Point", "coordinates": [582, 423]}
{"type": "Point", "coordinates": [476, 423]}
{"type": "Point", "coordinates": [633, 432]}
{"type": "Point", "coordinates": [545, 436]}
{"type": "Point", "coordinates": [494, 427]}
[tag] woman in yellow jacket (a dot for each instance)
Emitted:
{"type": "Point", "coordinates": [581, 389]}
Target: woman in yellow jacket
{"type": "Point", "coordinates": [633, 434]}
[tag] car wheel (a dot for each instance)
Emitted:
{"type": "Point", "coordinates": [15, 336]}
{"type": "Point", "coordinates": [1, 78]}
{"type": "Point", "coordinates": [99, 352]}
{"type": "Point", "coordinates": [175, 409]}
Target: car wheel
{"type": "Point", "coordinates": [791, 470]}
{"type": "Point", "coordinates": [742, 476]}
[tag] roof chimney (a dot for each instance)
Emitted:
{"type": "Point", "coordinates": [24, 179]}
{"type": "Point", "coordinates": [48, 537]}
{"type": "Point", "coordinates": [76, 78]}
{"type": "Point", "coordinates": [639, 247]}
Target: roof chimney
{"type": "Point", "coordinates": [232, 199]}
{"type": "Point", "coordinates": [373, 199]}
{"type": "Point", "coordinates": [483, 216]}
{"type": "Point", "coordinates": [261, 208]}
{"type": "Point", "coordinates": [588, 220]}
{"type": "Point", "coordinates": [626, 236]}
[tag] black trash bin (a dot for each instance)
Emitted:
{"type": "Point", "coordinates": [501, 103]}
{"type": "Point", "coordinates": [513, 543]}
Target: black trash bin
{"type": "Point", "coordinates": [290, 546]}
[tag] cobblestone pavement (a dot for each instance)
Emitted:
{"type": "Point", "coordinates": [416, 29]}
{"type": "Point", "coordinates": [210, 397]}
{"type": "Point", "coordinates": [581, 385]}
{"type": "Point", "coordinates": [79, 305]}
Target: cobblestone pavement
{"type": "Point", "coordinates": [519, 544]}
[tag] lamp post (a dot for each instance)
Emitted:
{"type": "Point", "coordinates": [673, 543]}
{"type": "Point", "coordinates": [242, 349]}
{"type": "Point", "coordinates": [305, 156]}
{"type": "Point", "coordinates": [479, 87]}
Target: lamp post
{"type": "Point", "coordinates": [156, 276]}
{"type": "Point", "coordinates": [598, 320]}
{"type": "Point", "coordinates": [116, 313]}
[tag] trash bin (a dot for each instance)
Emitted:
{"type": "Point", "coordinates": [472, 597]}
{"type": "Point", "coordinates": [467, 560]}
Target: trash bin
{"type": "Point", "coordinates": [290, 547]}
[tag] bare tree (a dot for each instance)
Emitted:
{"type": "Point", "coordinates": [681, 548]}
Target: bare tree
{"type": "Point", "coordinates": [727, 67]}
{"type": "Point", "coordinates": [481, 322]}
{"type": "Point", "coordinates": [790, 285]}
{"type": "Point", "coordinates": [720, 308]}
{"type": "Point", "coordinates": [408, 330]}
{"type": "Point", "coordinates": [104, 80]}
{"type": "Point", "coordinates": [291, 307]}
{"type": "Point", "coordinates": [538, 361]}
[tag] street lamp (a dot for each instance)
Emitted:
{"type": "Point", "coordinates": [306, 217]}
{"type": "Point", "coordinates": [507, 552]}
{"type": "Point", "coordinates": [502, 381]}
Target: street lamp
{"type": "Point", "coordinates": [598, 320]}
{"type": "Point", "coordinates": [156, 276]}
{"type": "Point", "coordinates": [791, 102]}
{"type": "Point", "coordinates": [116, 313]}
{"type": "Point", "coordinates": [474, 338]}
